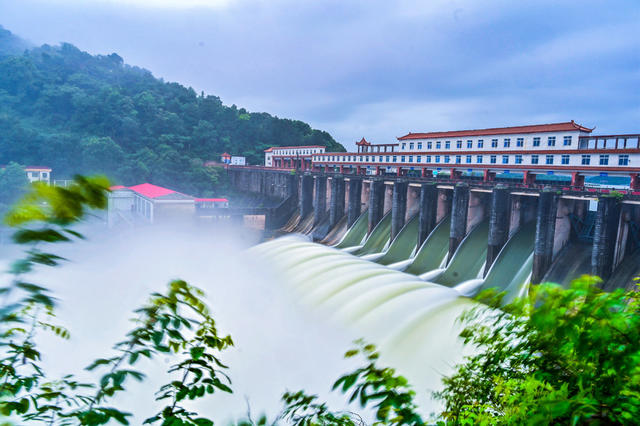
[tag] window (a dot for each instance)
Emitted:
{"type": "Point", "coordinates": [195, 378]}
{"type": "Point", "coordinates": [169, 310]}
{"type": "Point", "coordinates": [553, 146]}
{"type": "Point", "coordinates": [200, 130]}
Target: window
{"type": "Point", "coordinates": [458, 158]}
{"type": "Point", "coordinates": [623, 160]}
{"type": "Point", "coordinates": [402, 159]}
{"type": "Point", "coordinates": [428, 158]}
{"type": "Point", "coordinates": [367, 159]}
{"type": "Point", "coordinates": [492, 159]}
{"type": "Point", "coordinates": [534, 159]}
{"type": "Point", "coordinates": [520, 142]}
{"type": "Point", "coordinates": [468, 159]}
{"type": "Point", "coordinates": [459, 144]}
{"type": "Point", "coordinates": [437, 158]}
{"type": "Point", "coordinates": [604, 160]}
{"type": "Point", "coordinates": [419, 145]}
{"type": "Point", "coordinates": [479, 159]}
{"type": "Point", "coordinates": [507, 142]}
{"type": "Point", "coordinates": [505, 159]}
{"type": "Point", "coordinates": [551, 141]}
{"type": "Point", "coordinates": [411, 158]}
{"type": "Point", "coordinates": [429, 145]}
{"type": "Point", "coordinates": [564, 159]}
{"type": "Point", "coordinates": [494, 143]}
{"type": "Point", "coordinates": [380, 159]}
{"type": "Point", "coordinates": [388, 158]}
{"type": "Point", "coordinates": [480, 143]}
{"type": "Point", "coordinates": [404, 145]}
{"type": "Point", "coordinates": [447, 158]}
{"type": "Point", "coordinates": [395, 158]}
{"type": "Point", "coordinates": [586, 160]}
{"type": "Point", "coordinates": [567, 141]}
{"type": "Point", "coordinates": [549, 159]}
{"type": "Point", "coordinates": [447, 145]}
{"type": "Point", "coordinates": [418, 159]}
{"type": "Point", "coordinates": [438, 145]}
{"type": "Point", "coordinates": [536, 141]}
{"type": "Point", "coordinates": [411, 145]}
{"type": "Point", "coordinates": [469, 144]}
{"type": "Point", "coordinates": [518, 159]}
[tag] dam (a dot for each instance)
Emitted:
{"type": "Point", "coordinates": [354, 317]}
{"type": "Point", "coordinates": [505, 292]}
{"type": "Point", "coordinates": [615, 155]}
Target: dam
{"type": "Point", "coordinates": [396, 260]}
{"type": "Point", "coordinates": [454, 230]}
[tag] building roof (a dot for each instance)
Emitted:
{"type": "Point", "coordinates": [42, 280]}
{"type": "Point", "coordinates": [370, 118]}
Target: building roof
{"type": "Point", "coordinates": [363, 141]}
{"type": "Point", "coordinates": [212, 199]}
{"type": "Point", "coordinates": [116, 187]}
{"type": "Point", "coordinates": [226, 154]}
{"type": "Point", "coordinates": [158, 193]}
{"type": "Point", "coordinates": [269, 149]}
{"type": "Point", "coordinates": [42, 168]}
{"type": "Point", "coordinates": [570, 126]}
{"type": "Point", "coordinates": [293, 147]}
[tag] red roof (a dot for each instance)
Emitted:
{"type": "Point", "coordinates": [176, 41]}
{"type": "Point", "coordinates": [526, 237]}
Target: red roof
{"type": "Point", "coordinates": [536, 128]}
{"type": "Point", "coordinates": [212, 199]}
{"type": "Point", "coordinates": [116, 187]}
{"type": "Point", "coordinates": [151, 191]}
{"type": "Point", "coordinates": [268, 149]}
{"type": "Point", "coordinates": [363, 141]}
{"type": "Point", "coordinates": [226, 154]}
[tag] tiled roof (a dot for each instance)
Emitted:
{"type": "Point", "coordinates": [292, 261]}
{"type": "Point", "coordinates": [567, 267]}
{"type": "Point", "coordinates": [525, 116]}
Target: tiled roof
{"type": "Point", "coordinates": [536, 128]}
{"type": "Point", "coordinates": [158, 193]}
{"type": "Point", "coordinates": [363, 141]}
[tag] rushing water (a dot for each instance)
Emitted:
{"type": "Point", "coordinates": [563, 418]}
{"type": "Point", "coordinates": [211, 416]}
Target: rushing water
{"type": "Point", "coordinates": [412, 320]}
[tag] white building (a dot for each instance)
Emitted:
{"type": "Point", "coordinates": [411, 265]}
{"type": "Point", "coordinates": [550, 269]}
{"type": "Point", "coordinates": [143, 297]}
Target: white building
{"type": "Point", "coordinates": [289, 156]}
{"type": "Point", "coordinates": [38, 174]}
{"type": "Point", "coordinates": [237, 160]}
{"type": "Point", "coordinates": [559, 148]}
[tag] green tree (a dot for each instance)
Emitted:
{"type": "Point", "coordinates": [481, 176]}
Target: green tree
{"type": "Point", "coordinates": [558, 356]}
{"type": "Point", "coordinates": [14, 182]}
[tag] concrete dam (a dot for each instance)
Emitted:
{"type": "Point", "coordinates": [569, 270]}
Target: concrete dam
{"type": "Point", "coordinates": [395, 259]}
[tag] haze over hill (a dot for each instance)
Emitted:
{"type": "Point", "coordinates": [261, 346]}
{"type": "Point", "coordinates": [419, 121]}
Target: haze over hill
{"type": "Point", "coordinates": [79, 113]}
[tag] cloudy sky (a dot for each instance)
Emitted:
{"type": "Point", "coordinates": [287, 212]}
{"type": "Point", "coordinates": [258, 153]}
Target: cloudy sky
{"type": "Point", "coordinates": [373, 68]}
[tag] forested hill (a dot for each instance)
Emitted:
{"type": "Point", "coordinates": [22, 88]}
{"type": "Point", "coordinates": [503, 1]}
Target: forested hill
{"type": "Point", "coordinates": [80, 113]}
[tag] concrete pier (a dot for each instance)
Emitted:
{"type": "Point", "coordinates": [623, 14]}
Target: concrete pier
{"type": "Point", "coordinates": [355, 200]}
{"type": "Point", "coordinates": [499, 223]}
{"type": "Point", "coordinates": [336, 206]}
{"type": "Point", "coordinates": [320, 204]}
{"type": "Point", "coordinates": [459, 212]}
{"type": "Point", "coordinates": [306, 195]}
{"type": "Point", "coordinates": [545, 229]}
{"type": "Point", "coordinates": [398, 206]}
{"type": "Point", "coordinates": [376, 202]}
{"type": "Point", "coordinates": [605, 236]}
{"type": "Point", "coordinates": [428, 211]}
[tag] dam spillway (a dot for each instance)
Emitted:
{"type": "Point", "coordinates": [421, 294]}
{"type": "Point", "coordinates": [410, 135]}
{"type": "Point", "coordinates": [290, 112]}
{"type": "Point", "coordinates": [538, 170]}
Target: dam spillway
{"type": "Point", "coordinates": [606, 224]}
{"type": "Point", "coordinates": [403, 261]}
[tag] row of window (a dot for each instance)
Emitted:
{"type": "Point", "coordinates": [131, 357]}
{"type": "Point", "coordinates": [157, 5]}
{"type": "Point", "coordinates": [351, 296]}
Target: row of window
{"type": "Point", "coordinates": [623, 159]}
{"type": "Point", "coordinates": [479, 144]}
{"type": "Point", "coordinates": [297, 151]}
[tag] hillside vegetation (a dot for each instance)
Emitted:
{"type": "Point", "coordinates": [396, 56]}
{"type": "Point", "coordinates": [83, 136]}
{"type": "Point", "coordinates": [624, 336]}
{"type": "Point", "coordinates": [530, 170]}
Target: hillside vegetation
{"type": "Point", "coordinates": [79, 113]}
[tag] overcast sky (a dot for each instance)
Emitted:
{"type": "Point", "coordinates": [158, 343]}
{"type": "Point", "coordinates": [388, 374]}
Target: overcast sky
{"type": "Point", "coordinates": [373, 68]}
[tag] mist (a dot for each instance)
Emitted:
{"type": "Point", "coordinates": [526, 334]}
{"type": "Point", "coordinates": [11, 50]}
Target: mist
{"type": "Point", "coordinates": [279, 345]}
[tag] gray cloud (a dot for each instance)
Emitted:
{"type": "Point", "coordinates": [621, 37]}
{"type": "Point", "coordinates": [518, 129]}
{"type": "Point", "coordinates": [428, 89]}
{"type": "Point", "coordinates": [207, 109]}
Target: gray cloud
{"type": "Point", "coordinates": [374, 68]}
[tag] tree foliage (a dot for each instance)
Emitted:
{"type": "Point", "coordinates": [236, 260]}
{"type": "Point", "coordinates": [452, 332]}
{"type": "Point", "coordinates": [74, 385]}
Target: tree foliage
{"type": "Point", "coordinates": [79, 113]}
{"type": "Point", "coordinates": [561, 356]}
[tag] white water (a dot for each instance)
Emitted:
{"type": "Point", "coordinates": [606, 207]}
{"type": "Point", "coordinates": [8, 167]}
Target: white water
{"type": "Point", "coordinates": [279, 346]}
{"type": "Point", "coordinates": [412, 321]}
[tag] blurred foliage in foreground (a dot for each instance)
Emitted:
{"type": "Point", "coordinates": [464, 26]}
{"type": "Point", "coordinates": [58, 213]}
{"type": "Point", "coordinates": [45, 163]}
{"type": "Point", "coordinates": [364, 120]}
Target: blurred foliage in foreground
{"type": "Point", "coordinates": [556, 356]}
